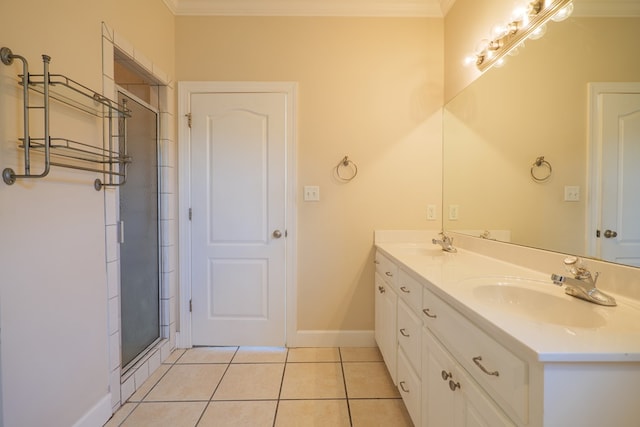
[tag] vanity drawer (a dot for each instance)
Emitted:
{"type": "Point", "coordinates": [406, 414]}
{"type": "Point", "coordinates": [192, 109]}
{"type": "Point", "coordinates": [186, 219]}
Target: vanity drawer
{"type": "Point", "coordinates": [410, 388]}
{"type": "Point", "coordinates": [410, 290]}
{"type": "Point", "coordinates": [386, 268]}
{"type": "Point", "coordinates": [493, 366]}
{"type": "Point", "coordinates": [408, 333]}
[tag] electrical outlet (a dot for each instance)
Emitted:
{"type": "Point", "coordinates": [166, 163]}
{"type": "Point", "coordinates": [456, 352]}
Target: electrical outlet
{"type": "Point", "coordinates": [431, 212]}
{"type": "Point", "coordinates": [454, 212]}
{"type": "Point", "coordinates": [311, 193]}
{"type": "Point", "coordinates": [571, 193]}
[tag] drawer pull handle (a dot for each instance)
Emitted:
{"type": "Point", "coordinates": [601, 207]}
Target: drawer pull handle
{"type": "Point", "coordinates": [477, 361]}
{"type": "Point", "coordinates": [405, 290]}
{"type": "Point", "coordinates": [453, 385]}
{"type": "Point", "coordinates": [426, 312]}
{"type": "Point", "coordinates": [406, 390]}
{"type": "Point", "coordinates": [381, 289]}
{"type": "Point", "coordinates": [404, 333]}
{"type": "Point", "coordinates": [446, 375]}
{"type": "Point", "coordinates": [388, 273]}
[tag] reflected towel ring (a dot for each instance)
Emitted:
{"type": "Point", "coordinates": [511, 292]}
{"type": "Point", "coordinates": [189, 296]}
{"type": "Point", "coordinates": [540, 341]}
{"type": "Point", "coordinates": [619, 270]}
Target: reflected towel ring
{"type": "Point", "coordinates": [541, 162]}
{"type": "Point", "coordinates": [346, 164]}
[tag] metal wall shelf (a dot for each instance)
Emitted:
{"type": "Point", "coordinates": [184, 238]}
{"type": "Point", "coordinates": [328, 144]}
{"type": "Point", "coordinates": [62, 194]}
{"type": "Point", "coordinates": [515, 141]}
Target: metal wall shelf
{"type": "Point", "coordinates": [111, 161]}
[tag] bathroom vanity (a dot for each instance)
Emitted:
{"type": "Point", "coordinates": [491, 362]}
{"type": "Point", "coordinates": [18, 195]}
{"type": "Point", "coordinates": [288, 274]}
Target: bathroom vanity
{"type": "Point", "coordinates": [471, 340]}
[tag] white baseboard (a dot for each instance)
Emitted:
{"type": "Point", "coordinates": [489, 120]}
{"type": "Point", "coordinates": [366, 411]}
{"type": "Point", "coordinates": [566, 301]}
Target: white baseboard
{"type": "Point", "coordinates": [98, 415]}
{"type": "Point", "coordinates": [332, 339]}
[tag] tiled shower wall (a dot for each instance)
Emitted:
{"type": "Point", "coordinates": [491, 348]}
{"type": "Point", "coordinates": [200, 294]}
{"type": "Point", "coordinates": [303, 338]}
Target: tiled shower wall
{"type": "Point", "coordinates": [162, 97]}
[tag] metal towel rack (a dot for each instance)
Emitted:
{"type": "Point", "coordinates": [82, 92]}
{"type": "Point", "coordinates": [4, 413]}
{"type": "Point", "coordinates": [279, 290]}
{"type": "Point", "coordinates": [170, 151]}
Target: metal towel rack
{"type": "Point", "coordinates": [111, 161]}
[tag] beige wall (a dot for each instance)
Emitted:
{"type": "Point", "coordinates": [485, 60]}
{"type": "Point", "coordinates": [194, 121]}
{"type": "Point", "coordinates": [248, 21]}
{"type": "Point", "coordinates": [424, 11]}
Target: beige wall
{"type": "Point", "coordinates": [368, 88]}
{"type": "Point", "coordinates": [53, 290]}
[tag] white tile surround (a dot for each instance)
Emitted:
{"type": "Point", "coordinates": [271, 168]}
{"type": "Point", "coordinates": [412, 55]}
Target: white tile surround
{"type": "Point", "coordinates": [123, 386]}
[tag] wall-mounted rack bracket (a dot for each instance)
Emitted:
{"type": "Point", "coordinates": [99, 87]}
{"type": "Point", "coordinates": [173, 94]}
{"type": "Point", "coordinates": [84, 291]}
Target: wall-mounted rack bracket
{"type": "Point", "coordinates": [61, 152]}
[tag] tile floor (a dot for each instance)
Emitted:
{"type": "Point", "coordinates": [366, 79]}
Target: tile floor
{"type": "Point", "coordinates": [271, 387]}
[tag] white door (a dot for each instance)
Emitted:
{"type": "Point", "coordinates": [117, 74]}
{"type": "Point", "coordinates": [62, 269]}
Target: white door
{"type": "Point", "coordinates": [620, 228]}
{"type": "Point", "coordinates": [238, 200]}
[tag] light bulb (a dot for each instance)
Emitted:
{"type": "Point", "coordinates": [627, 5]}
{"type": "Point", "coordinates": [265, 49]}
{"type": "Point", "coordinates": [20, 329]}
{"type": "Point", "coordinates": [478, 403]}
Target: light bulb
{"type": "Point", "coordinates": [470, 59]}
{"type": "Point", "coordinates": [499, 30]}
{"type": "Point", "coordinates": [563, 13]}
{"type": "Point", "coordinates": [500, 62]}
{"type": "Point", "coordinates": [481, 47]}
{"type": "Point", "coordinates": [538, 32]}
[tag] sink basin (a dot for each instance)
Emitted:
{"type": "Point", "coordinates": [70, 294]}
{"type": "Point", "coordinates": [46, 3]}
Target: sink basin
{"type": "Point", "coordinates": [520, 297]}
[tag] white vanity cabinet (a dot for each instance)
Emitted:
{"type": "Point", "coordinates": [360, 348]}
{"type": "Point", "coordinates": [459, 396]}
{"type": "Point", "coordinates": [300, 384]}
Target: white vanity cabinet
{"type": "Point", "coordinates": [386, 301]}
{"type": "Point", "coordinates": [458, 364]}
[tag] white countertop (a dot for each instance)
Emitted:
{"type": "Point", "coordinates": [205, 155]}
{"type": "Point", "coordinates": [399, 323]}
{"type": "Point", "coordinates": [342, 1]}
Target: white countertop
{"type": "Point", "coordinates": [584, 332]}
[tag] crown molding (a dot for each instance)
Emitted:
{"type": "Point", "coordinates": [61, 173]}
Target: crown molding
{"type": "Point", "coordinates": [373, 8]}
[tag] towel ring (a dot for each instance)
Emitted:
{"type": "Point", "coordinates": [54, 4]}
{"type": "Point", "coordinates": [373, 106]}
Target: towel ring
{"type": "Point", "coordinates": [352, 168]}
{"type": "Point", "coordinates": [540, 163]}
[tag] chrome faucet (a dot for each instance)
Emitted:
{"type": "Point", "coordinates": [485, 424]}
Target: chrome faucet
{"type": "Point", "coordinates": [446, 243]}
{"type": "Point", "coordinates": [583, 283]}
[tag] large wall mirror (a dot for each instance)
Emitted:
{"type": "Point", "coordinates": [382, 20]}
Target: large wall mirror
{"type": "Point", "coordinates": [538, 104]}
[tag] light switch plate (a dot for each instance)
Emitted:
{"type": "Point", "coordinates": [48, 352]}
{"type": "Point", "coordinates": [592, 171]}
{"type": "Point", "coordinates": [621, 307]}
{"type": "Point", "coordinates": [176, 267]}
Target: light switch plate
{"type": "Point", "coordinates": [311, 193]}
{"type": "Point", "coordinates": [454, 211]}
{"type": "Point", "coordinates": [571, 193]}
{"type": "Point", "coordinates": [431, 212]}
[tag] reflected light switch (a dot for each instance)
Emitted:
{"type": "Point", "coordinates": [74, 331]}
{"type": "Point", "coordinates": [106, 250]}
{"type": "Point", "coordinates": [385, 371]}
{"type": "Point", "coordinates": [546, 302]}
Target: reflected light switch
{"type": "Point", "coordinates": [571, 193]}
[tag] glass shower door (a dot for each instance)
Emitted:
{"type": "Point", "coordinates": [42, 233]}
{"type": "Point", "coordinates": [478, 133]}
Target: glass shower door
{"type": "Point", "coordinates": [139, 248]}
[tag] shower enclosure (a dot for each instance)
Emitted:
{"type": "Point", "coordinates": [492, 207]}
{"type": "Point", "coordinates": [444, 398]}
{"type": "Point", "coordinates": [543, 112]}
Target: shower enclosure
{"type": "Point", "coordinates": [139, 234]}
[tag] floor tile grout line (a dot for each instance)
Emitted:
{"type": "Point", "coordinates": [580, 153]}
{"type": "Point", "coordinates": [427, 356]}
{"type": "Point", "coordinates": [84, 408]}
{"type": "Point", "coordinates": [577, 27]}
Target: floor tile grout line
{"type": "Point", "coordinates": [284, 370]}
{"type": "Point", "coordinates": [137, 404]}
{"type": "Point", "coordinates": [346, 392]}
{"type": "Point", "coordinates": [216, 387]}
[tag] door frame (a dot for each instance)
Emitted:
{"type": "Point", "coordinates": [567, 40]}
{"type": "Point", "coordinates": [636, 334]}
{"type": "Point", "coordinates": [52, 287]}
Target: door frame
{"type": "Point", "coordinates": [185, 90]}
{"type": "Point", "coordinates": [594, 157]}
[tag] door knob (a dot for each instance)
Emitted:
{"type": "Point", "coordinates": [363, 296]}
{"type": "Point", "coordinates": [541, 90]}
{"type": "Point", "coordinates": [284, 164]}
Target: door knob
{"type": "Point", "coordinates": [277, 234]}
{"type": "Point", "coordinates": [609, 234]}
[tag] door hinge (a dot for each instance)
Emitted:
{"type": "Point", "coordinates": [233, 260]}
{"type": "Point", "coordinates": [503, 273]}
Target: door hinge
{"type": "Point", "coordinates": [190, 214]}
{"type": "Point", "coordinates": [188, 115]}
{"type": "Point", "coordinates": [121, 232]}
{"type": "Point", "coordinates": [597, 233]}
{"type": "Point", "coordinates": [190, 306]}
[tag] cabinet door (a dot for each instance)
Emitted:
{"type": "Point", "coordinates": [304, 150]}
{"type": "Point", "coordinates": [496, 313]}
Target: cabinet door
{"type": "Point", "coordinates": [385, 324]}
{"type": "Point", "coordinates": [438, 399]}
{"type": "Point", "coordinates": [452, 398]}
{"type": "Point", "coordinates": [474, 408]}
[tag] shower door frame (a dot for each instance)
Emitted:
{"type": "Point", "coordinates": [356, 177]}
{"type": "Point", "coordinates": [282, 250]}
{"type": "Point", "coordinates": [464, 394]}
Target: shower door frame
{"type": "Point", "coordinates": [125, 368]}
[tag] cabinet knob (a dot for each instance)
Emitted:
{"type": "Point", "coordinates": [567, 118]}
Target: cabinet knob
{"type": "Point", "coordinates": [609, 234]}
{"type": "Point", "coordinates": [446, 375]}
{"type": "Point", "coordinates": [453, 385]}
{"type": "Point", "coordinates": [277, 234]}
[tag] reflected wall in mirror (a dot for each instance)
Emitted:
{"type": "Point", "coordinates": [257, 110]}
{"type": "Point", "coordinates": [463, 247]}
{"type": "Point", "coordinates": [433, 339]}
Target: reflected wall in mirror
{"type": "Point", "coordinates": [536, 105]}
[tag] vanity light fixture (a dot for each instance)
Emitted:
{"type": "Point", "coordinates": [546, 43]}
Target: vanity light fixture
{"type": "Point", "coordinates": [526, 23]}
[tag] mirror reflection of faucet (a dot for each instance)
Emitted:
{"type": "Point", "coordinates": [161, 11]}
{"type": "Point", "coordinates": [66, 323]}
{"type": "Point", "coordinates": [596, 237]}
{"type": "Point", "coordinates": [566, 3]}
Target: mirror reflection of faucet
{"type": "Point", "coordinates": [583, 283]}
{"type": "Point", "coordinates": [446, 243]}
